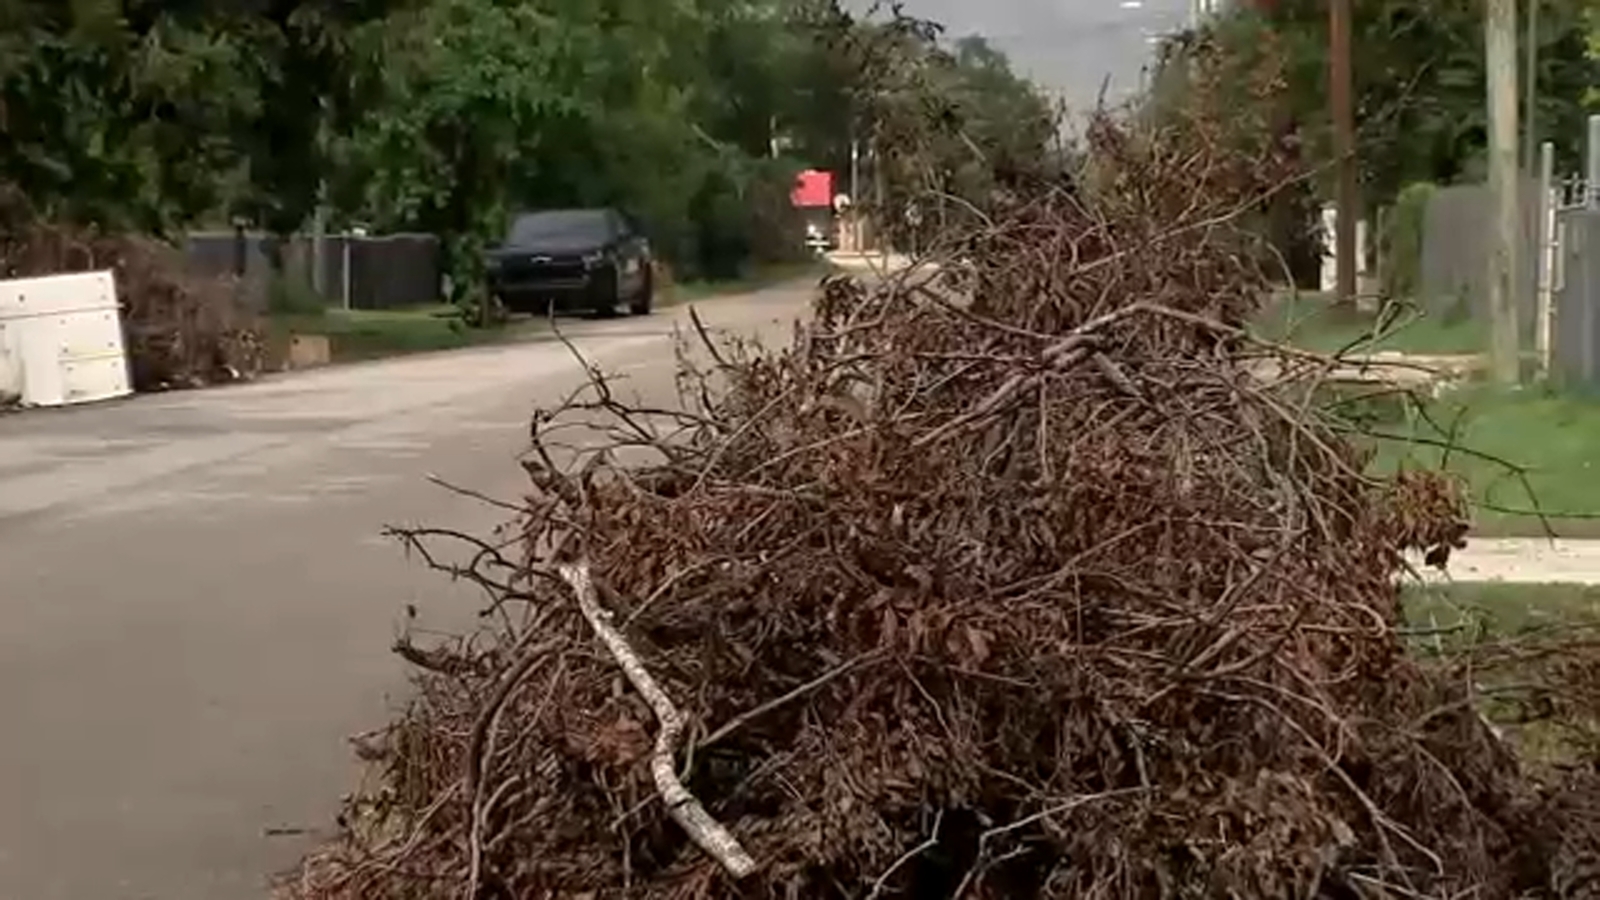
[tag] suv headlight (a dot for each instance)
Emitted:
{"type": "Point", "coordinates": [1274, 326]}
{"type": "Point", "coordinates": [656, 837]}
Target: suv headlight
{"type": "Point", "coordinates": [594, 260]}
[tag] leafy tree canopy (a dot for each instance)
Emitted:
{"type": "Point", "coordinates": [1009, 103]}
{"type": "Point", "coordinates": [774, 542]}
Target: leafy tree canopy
{"type": "Point", "coordinates": [1419, 72]}
{"type": "Point", "coordinates": [445, 115]}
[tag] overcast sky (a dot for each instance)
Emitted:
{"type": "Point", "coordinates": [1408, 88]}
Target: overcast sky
{"type": "Point", "coordinates": [1067, 46]}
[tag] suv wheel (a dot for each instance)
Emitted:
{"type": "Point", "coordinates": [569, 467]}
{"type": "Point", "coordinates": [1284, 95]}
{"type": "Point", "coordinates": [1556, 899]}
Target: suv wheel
{"type": "Point", "coordinates": [608, 299]}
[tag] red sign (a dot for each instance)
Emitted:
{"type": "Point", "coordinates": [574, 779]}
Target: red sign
{"type": "Point", "coordinates": [812, 189]}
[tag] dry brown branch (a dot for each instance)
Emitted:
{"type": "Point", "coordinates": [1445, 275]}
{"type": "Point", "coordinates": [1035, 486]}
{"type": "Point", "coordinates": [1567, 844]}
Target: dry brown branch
{"type": "Point", "coordinates": [480, 745]}
{"type": "Point", "coordinates": [817, 683]}
{"type": "Point", "coordinates": [929, 844]}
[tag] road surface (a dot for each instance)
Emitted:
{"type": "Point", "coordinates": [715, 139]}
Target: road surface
{"type": "Point", "coordinates": [196, 603]}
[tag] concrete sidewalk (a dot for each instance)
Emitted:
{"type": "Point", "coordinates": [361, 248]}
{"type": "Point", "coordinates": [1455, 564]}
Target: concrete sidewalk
{"type": "Point", "coordinates": [1523, 561]}
{"type": "Point", "coordinates": [876, 262]}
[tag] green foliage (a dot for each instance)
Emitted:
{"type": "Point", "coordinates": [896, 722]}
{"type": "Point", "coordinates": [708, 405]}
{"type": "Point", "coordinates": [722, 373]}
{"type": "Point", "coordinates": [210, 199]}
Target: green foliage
{"type": "Point", "coordinates": [449, 115]}
{"type": "Point", "coordinates": [943, 122]}
{"type": "Point", "coordinates": [1591, 97]}
{"type": "Point", "coordinates": [293, 296]}
{"type": "Point", "coordinates": [1402, 240]}
{"type": "Point", "coordinates": [1420, 82]}
{"type": "Point", "coordinates": [121, 120]}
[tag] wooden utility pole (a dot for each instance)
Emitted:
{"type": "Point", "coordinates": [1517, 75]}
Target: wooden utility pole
{"type": "Point", "coordinates": [1530, 90]}
{"type": "Point", "coordinates": [1505, 281]}
{"type": "Point", "coordinates": [1342, 101]}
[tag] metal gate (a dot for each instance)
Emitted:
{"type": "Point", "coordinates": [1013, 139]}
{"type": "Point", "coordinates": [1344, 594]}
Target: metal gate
{"type": "Point", "coordinates": [1568, 267]}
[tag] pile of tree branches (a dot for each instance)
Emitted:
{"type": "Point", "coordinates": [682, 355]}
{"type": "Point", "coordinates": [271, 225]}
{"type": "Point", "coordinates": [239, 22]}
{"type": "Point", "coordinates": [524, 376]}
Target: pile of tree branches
{"type": "Point", "coordinates": [1023, 589]}
{"type": "Point", "coordinates": [179, 330]}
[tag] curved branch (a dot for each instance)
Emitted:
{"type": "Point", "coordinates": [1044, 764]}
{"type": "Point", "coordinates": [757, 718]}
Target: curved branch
{"type": "Point", "coordinates": [706, 832]}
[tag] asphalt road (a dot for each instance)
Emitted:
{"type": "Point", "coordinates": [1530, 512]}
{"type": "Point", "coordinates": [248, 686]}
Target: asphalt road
{"type": "Point", "coordinates": [196, 603]}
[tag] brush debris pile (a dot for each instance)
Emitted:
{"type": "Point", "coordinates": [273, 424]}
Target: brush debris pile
{"type": "Point", "coordinates": [180, 330]}
{"type": "Point", "coordinates": [1025, 591]}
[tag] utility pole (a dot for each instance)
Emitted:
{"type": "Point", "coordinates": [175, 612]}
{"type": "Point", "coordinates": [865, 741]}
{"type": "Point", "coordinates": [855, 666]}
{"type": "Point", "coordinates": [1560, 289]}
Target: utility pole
{"type": "Point", "coordinates": [880, 211]}
{"type": "Point", "coordinates": [852, 214]}
{"type": "Point", "coordinates": [1340, 97]}
{"type": "Point", "coordinates": [1505, 281]}
{"type": "Point", "coordinates": [319, 244]}
{"type": "Point", "coordinates": [855, 171]}
{"type": "Point", "coordinates": [319, 221]}
{"type": "Point", "coordinates": [1530, 90]}
{"type": "Point", "coordinates": [1544, 259]}
{"type": "Point", "coordinates": [1591, 169]}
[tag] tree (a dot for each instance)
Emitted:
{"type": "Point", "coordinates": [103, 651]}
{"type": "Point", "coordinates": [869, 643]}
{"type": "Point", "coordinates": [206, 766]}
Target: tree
{"type": "Point", "coordinates": [492, 106]}
{"type": "Point", "coordinates": [444, 115]}
{"type": "Point", "coordinates": [1419, 82]}
{"type": "Point", "coordinates": [122, 117]}
{"type": "Point", "coordinates": [1592, 97]}
{"type": "Point", "coordinates": [938, 120]}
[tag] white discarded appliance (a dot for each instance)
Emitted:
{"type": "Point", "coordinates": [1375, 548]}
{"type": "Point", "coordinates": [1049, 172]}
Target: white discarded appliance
{"type": "Point", "coordinates": [61, 340]}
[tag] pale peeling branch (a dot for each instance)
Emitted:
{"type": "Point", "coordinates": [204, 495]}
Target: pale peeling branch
{"type": "Point", "coordinates": [705, 831]}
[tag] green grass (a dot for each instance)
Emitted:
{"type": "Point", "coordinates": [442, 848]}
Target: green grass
{"type": "Point", "coordinates": [1523, 454]}
{"type": "Point", "coordinates": [370, 334]}
{"type": "Point", "coordinates": [754, 280]}
{"type": "Point", "coordinates": [1491, 609]}
{"type": "Point", "coordinates": [1486, 435]}
{"type": "Point", "coordinates": [1447, 621]}
{"type": "Point", "coordinates": [356, 335]}
{"type": "Point", "coordinates": [1312, 321]}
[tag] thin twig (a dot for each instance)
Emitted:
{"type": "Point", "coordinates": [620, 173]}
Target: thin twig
{"type": "Point", "coordinates": [982, 862]}
{"type": "Point", "coordinates": [932, 842]}
{"type": "Point", "coordinates": [745, 718]}
{"type": "Point", "coordinates": [478, 495]}
{"type": "Point", "coordinates": [482, 736]}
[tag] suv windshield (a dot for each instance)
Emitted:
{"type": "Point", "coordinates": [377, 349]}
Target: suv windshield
{"type": "Point", "coordinates": [564, 224]}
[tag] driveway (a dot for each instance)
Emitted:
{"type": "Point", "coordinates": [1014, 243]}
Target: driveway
{"type": "Point", "coordinates": [196, 604]}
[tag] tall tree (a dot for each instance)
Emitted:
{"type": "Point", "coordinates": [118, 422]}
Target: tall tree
{"type": "Point", "coordinates": [1420, 81]}
{"type": "Point", "coordinates": [444, 115]}
{"type": "Point", "coordinates": [120, 114]}
{"type": "Point", "coordinates": [315, 83]}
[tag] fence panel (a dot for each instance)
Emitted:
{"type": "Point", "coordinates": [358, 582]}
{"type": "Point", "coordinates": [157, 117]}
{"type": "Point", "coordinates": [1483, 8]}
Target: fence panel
{"type": "Point", "coordinates": [1454, 273]}
{"type": "Point", "coordinates": [394, 270]}
{"type": "Point", "coordinates": [386, 271]}
{"type": "Point", "coordinates": [1575, 343]}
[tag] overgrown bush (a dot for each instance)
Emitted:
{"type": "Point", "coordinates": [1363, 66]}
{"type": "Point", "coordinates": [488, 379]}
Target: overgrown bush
{"type": "Point", "coordinates": [1401, 242]}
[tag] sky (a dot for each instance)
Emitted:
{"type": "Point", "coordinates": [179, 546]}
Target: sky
{"type": "Point", "coordinates": [1069, 47]}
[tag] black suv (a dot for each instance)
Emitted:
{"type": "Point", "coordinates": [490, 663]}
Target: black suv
{"type": "Point", "coordinates": [573, 260]}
